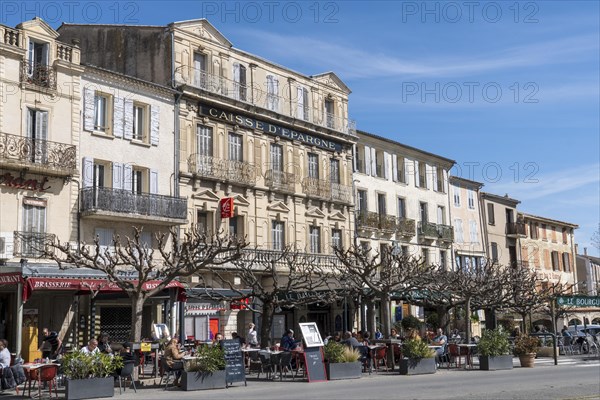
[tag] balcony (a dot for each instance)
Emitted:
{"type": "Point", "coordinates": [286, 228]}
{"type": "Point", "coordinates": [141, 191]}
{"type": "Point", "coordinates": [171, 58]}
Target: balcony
{"type": "Point", "coordinates": [428, 230]}
{"type": "Point", "coordinates": [262, 256]}
{"type": "Point", "coordinates": [31, 244]}
{"type": "Point", "coordinates": [280, 181]}
{"type": "Point", "coordinates": [405, 227]}
{"type": "Point", "coordinates": [325, 190]}
{"type": "Point", "coordinates": [387, 223]}
{"type": "Point", "coordinates": [445, 233]}
{"type": "Point", "coordinates": [516, 230]}
{"type": "Point", "coordinates": [254, 95]}
{"type": "Point", "coordinates": [37, 74]}
{"type": "Point", "coordinates": [52, 158]}
{"type": "Point", "coordinates": [367, 220]}
{"type": "Point", "coordinates": [238, 172]}
{"type": "Point", "coordinates": [107, 203]}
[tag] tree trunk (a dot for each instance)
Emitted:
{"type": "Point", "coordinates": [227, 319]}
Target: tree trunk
{"type": "Point", "coordinates": [268, 309]}
{"type": "Point", "coordinates": [137, 306]}
{"type": "Point", "coordinates": [468, 319]}
{"type": "Point", "coordinates": [386, 317]}
{"type": "Point", "coordinates": [371, 315]}
{"type": "Point", "coordinates": [443, 318]}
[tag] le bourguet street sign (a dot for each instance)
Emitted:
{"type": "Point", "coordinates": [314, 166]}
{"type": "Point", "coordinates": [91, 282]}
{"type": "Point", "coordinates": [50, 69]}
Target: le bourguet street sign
{"type": "Point", "coordinates": [578, 301]}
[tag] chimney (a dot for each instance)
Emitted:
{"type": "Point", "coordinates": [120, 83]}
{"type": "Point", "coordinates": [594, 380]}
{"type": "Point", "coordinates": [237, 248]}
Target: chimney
{"type": "Point", "coordinates": [585, 251]}
{"type": "Point", "coordinates": [576, 249]}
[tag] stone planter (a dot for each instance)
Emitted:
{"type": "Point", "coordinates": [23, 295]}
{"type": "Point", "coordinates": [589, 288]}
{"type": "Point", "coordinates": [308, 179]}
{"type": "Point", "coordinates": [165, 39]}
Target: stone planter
{"type": "Point", "coordinates": [337, 371]}
{"type": "Point", "coordinates": [488, 363]}
{"type": "Point", "coordinates": [89, 388]}
{"type": "Point", "coordinates": [417, 366]}
{"type": "Point", "coordinates": [203, 380]}
{"type": "Point", "coordinates": [527, 360]}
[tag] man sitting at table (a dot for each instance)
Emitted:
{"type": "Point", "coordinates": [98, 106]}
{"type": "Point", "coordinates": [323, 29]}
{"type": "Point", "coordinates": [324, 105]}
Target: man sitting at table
{"type": "Point", "coordinates": [287, 341]}
{"type": "Point", "coordinates": [440, 340]}
{"type": "Point", "coordinates": [4, 354]}
{"type": "Point", "coordinates": [91, 348]}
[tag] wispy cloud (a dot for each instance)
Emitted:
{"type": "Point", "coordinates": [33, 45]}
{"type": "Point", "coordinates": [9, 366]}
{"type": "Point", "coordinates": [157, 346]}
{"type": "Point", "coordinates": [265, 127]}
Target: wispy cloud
{"type": "Point", "coordinates": [571, 180]}
{"type": "Point", "coordinates": [350, 61]}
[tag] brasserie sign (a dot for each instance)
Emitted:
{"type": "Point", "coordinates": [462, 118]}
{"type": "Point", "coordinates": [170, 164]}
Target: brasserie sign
{"type": "Point", "coordinates": [578, 301]}
{"type": "Point", "coordinates": [272, 129]}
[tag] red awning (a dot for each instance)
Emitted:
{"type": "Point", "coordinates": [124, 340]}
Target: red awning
{"type": "Point", "coordinates": [83, 284]}
{"type": "Point", "coordinates": [11, 278]}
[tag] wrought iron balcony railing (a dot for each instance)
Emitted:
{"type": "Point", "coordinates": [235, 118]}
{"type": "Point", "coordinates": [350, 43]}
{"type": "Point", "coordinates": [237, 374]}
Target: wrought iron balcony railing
{"type": "Point", "coordinates": [445, 233]}
{"type": "Point", "coordinates": [428, 230]}
{"type": "Point", "coordinates": [210, 167]}
{"type": "Point", "coordinates": [341, 193]}
{"type": "Point", "coordinates": [516, 229]}
{"type": "Point", "coordinates": [387, 223]}
{"type": "Point", "coordinates": [367, 220]}
{"type": "Point", "coordinates": [32, 244]}
{"type": "Point", "coordinates": [269, 256]}
{"type": "Point", "coordinates": [25, 151]}
{"type": "Point", "coordinates": [279, 180]}
{"type": "Point", "coordinates": [127, 202]}
{"type": "Point", "coordinates": [405, 227]}
{"type": "Point", "coordinates": [258, 96]}
{"type": "Point", "coordinates": [38, 74]}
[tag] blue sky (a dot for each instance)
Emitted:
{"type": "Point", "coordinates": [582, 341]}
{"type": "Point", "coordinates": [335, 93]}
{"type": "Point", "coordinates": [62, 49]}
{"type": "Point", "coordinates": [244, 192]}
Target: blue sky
{"type": "Point", "coordinates": [510, 90]}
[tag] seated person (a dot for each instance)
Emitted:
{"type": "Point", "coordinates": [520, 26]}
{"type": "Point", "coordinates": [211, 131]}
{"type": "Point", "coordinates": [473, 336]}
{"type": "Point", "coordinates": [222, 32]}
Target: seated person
{"type": "Point", "coordinates": [288, 343]}
{"type": "Point", "coordinates": [439, 340]}
{"type": "Point", "coordinates": [234, 335]}
{"type": "Point", "coordinates": [103, 344]}
{"type": "Point", "coordinates": [126, 355]}
{"type": "Point", "coordinates": [4, 354]}
{"type": "Point", "coordinates": [350, 340]}
{"type": "Point", "coordinates": [366, 338]}
{"type": "Point", "coordinates": [174, 358]}
{"type": "Point", "coordinates": [394, 334]}
{"type": "Point", "coordinates": [91, 348]}
{"type": "Point", "coordinates": [217, 339]}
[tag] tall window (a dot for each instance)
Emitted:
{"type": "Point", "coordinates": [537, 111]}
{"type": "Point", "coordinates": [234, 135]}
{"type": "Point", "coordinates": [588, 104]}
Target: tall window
{"type": "Point", "coordinates": [336, 238]}
{"type": "Point", "coordinates": [329, 113]}
{"type": "Point", "coordinates": [272, 93]}
{"type": "Point", "coordinates": [276, 157]}
{"type": "Point", "coordinates": [139, 121]}
{"type": "Point", "coordinates": [491, 217]}
{"type": "Point", "coordinates": [34, 218]}
{"type": "Point", "coordinates": [315, 239]}
{"type": "Point", "coordinates": [202, 221]}
{"type": "Point", "coordinates": [37, 68]}
{"type": "Point", "coordinates": [278, 235]}
{"type": "Point", "coordinates": [473, 231]}
{"type": "Point", "coordinates": [99, 178]}
{"type": "Point", "coordinates": [443, 259]}
{"type": "Point", "coordinates": [239, 82]}
{"type": "Point", "coordinates": [439, 179]}
{"type": "Point", "coordinates": [458, 230]}
{"type": "Point", "coordinates": [334, 166]}
{"type": "Point", "coordinates": [566, 262]}
{"type": "Point", "coordinates": [303, 102]}
{"type": "Point", "coordinates": [37, 132]}
{"type": "Point", "coordinates": [471, 198]}
{"type": "Point", "coordinates": [494, 251]}
{"type": "Point", "coordinates": [137, 181]}
{"type": "Point", "coordinates": [441, 215]}
{"type": "Point", "coordinates": [100, 112]}
{"type": "Point", "coordinates": [105, 238]}
{"type": "Point", "coordinates": [564, 236]}
{"type": "Point", "coordinates": [235, 226]}
{"type": "Point", "coordinates": [401, 167]}
{"type": "Point", "coordinates": [362, 201]}
{"type": "Point", "coordinates": [235, 147]}
{"type": "Point", "coordinates": [423, 212]}
{"type": "Point", "coordinates": [313, 165]}
{"type": "Point", "coordinates": [204, 140]}
{"type": "Point", "coordinates": [200, 78]}
{"type": "Point", "coordinates": [401, 207]}
{"type": "Point", "coordinates": [533, 230]}
{"type": "Point", "coordinates": [381, 204]}
{"type": "Point", "coordinates": [421, 171]}
{"type": "Point", "coordinates": [456, 191]}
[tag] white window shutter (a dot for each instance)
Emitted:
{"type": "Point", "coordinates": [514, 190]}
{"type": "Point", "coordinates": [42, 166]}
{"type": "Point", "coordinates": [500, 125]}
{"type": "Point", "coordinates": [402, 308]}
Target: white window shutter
{"type": "Point", "coordinates": [387, 165]}
{"type": "Point", "coordinates": [354, 158]}
{"type": "Point", "coordinates": [407, 167]}
{"type": "Point", "coordinates": [417, 178]}
{"type": "Point", "coordinates": [41, 125]}
{"type": "Point", "coordinates": [435, 181]}
{"type": "Point", "coordinates": [445, 181]}
{"type": "Point", "coordinates": [276, 94]}
{"type": "Point", "coordinates": [367, 160]}
{"type": "Point", "coordinates": [88, 109]}
{"type": "Point", "coordinates": [117, 175]}
{"type": "Point", "coordinates": [300, 103]}
{"type": "Point", "coordinates": [118, 116]}
{"type": "Point", "coordinates": [154, 125]}
{"type": "Point", "coordinates": [127, 177]}
{"type": "Point", "coordinates": [394, 167]}
{"type": "Point", "coordinates": [88, 172]}
{"type": "Point", "coordinates": [128, 125]}
{"type": "Point", "coordinates": [153, 181]}
{"type": "Point", "coordinates": [373, 161]}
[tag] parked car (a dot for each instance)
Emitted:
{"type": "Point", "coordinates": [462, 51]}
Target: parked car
{"type": "Point", "coordinates": [586, 338]}
{"type": "Point", "coordinates": [591, 329]}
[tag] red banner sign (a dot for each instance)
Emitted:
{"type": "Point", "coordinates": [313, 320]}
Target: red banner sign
{"type": "Point", "coordinates": [226, 207]}
{"type": "Point", "coordinates": [12, 278]}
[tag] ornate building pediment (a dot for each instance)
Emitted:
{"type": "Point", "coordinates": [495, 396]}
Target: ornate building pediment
{"type": "Point", "coordinates": [239, 200]}
{"type": "Point", "coordinates": [332, 80]}
{"type": "Point", "coordinates": [39, 26]}
{"type": "Point", "coordinates": [315, 212]}
{"type": "Point", "coordinates": [337, 216]}
{"type": "Point", "coordinates": [203, 28]}
{"type": "Point", "coordinates": [206, 194]}
{"type": "Point", "coordinates": [278, 206]}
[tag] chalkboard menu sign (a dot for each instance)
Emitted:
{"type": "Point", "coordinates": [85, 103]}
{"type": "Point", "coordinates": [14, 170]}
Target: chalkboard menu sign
{"type": "Point", "coordinates": [315, 369]}
{"type": "Point", "coordinates": [234, 361]}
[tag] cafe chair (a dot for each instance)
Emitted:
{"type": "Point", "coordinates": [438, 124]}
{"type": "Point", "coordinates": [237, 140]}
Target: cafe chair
{"type": "Point", "coordinates": [168, 371]}
{"type": "Point", "coordinates": [453, 355]}
{"type": "Point", "coordinates": [285, 364]}
{"type": "Point", "coordinates": [254, 364]}
{"type": "Point", "coordinates": [127, 372]}
{"type": "Point", "coordinates": [265, 365]}
{"type": "Point", "coordinates": [365, 358]}
{"type": "Point", "coordinates": [381, 358]}
{"type": "Point", "coordinates": [47, 373]}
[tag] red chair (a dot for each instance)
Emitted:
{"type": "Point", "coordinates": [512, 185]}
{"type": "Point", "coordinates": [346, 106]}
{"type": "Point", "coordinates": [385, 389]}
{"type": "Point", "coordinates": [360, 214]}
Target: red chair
{"type": "Point", "coordinates": [453, 355]}
{"type": "Point", "coordinates": [381, 355]}
{"type": "Point", "coordinates": [47, 373]}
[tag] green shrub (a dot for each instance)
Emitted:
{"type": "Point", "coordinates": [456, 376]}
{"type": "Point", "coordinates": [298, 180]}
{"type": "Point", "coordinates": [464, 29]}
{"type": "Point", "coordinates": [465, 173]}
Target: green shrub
{"type": "Point", "coordinates": [416, 348]}
{"type": "Point", "coordinates": [494, 342]}
{"type": "Point", "coordinates": [79, 365]}
{"type": "Point", "coordinates": [525, 345]}
{"type": "Point", "coordinates": [411, 322]}
{"type": "Point", "coordinates": [208, 359]}
{"type": "Point", "coordinates": [334, 351]}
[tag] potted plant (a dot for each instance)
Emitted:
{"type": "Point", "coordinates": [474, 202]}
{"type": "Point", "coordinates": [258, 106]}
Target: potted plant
{"type": "Point", "coordinates": [90, 376]}
{"type": "Point", "coordinates": [341, 362]}
{"type": "Point", "coordinates": [418, 357]}
{"type": "Point", "coordinates": [206, 371]}
{"type": "Point", "coordinates": [494, 350]}
{"type": "Point", "coordinates": [525, 348]}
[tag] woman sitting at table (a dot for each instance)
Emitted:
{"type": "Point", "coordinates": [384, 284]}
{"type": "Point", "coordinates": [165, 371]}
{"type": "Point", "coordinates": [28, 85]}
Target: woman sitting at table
{"type": "Point", "coordinates": [174, 358]}
{"type": "Point", "coordinates": [103, 344]}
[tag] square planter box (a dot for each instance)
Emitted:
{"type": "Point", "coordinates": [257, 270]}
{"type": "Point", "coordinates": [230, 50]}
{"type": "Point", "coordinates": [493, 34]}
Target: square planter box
{"type": "Point", "coordinates": [337, 371]}
{"type": "Point", "coordinates": [203, 380]}
{"type": "Point", "coordinates": [90, 388]}
{"type": "Point", "coordinates": [417, 366]}
{"type": "Point", "coordinates": [495, 363]}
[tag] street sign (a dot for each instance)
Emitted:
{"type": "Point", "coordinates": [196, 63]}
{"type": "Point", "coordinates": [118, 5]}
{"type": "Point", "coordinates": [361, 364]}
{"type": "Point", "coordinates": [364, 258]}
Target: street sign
{"type": "Point", "coordinates": [578, 301]}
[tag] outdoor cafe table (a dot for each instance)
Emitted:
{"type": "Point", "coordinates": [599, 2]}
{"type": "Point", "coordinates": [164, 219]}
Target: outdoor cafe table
{"type": "Point", "coordinates": [468, 352]}
{"type": "Point", "coordinates": [390, 343]}
{"type": "Point", "coordinates": [153, 348]}
{"type": "Point", "coordinates": [27, 369]}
